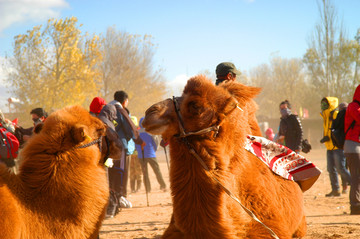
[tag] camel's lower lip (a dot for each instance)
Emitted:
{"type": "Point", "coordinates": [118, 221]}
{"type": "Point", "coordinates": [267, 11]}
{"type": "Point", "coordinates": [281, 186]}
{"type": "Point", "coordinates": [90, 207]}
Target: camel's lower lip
{"type": "Point", "coordinates": [150, 128]}
{"type": "Point", "coordinates": [157, 129]}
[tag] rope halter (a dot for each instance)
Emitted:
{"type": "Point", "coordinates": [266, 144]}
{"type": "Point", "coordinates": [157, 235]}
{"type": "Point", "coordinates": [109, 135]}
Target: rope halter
{"type": "Point", "coordinates": [96, 141]}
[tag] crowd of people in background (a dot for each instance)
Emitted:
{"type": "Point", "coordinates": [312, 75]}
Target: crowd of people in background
{"type": "Point", "coordinates": [116, 115]}
{"type": "Point", "coordinates": [290, 134]}
{"type": "Point", "coordinates": [139, 147]}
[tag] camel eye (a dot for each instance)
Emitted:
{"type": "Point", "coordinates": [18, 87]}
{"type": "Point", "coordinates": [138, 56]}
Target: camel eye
{"type": "Point", "coordinates": [194, 108]}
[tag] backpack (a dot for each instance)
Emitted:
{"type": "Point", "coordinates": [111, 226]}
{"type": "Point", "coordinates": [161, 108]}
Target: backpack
{"type": "Point", "coordinates": [338, 132]}
{"type": "Point", "coordinates": [9, 146]}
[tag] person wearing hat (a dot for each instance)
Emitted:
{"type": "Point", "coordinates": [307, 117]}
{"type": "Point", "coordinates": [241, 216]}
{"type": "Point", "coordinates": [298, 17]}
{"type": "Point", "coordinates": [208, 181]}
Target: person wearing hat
{"type": "Point", "coordinates": [96, 105]}
{"type": "Point", "coordinates": [226, 71]}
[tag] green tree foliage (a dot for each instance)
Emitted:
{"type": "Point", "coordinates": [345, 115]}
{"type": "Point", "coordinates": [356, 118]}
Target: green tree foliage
{"type": "Point", "coordinates": [55, 66]}
{"type": "Point", "coordinates": [128, 66]}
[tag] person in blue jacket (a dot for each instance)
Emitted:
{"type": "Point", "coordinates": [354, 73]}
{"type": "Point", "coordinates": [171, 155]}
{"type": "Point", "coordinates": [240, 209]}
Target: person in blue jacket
{"type": "Point", "coordinates": [149, 157]}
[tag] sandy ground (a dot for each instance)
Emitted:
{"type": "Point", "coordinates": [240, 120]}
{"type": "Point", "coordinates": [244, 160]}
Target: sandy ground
{"type": "Point", "coordinates": [326, 217]}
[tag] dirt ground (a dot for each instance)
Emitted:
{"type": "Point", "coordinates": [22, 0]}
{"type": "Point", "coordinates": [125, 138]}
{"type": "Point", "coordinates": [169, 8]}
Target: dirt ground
{"type": "Point", "coordinates": [326, 217]}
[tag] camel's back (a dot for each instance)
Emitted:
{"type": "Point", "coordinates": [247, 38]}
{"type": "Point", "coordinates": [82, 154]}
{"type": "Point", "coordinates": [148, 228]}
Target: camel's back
{"type": "Point", "coordinates": [260, 180]}
{"type": "Point", "coordinates": [276, 201]}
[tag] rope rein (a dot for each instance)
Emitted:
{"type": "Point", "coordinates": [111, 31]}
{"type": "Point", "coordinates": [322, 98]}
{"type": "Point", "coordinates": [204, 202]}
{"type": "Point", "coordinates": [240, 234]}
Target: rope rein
{"type": "Point", "coordinates": [96, 141]}
{"type": "Point", "coordinates": [183, 135]}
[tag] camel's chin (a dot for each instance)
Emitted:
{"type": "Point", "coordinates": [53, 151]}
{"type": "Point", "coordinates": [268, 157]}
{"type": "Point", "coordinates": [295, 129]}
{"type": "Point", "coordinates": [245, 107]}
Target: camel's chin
{"type": "Point", "coordinates": [156, 129]}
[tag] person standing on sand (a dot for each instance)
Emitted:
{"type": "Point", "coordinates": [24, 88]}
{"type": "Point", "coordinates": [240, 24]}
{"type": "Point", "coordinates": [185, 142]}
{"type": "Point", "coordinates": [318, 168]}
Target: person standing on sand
{"type": "Point", "coordinates": [336, 161]}
{"type": "Point", "coordinates": [352, 150]}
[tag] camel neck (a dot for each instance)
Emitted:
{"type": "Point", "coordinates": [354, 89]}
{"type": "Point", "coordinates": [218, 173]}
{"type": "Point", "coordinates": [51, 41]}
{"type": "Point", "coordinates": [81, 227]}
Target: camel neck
{"type": "Point", "coordinates": [196, 194]}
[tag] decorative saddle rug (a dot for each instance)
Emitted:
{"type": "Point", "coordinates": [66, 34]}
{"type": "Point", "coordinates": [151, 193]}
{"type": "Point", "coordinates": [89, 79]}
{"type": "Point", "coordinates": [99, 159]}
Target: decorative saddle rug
{"type": "Point", "coordinates": [283, 161]}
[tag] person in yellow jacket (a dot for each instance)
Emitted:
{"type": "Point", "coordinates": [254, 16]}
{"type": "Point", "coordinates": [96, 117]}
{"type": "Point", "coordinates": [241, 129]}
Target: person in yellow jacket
{"type": "Point", "coordinates": [336, 161]}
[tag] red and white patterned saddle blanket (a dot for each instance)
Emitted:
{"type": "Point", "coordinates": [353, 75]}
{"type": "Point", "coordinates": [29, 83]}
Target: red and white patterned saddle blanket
{"type": "Point", "coordinates": [283, 161]}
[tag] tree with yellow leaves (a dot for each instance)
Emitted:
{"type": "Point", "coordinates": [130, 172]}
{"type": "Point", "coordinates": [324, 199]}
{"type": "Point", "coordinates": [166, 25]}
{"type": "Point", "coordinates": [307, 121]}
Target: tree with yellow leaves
{"type": "Point", "coordinates": [55, 66]}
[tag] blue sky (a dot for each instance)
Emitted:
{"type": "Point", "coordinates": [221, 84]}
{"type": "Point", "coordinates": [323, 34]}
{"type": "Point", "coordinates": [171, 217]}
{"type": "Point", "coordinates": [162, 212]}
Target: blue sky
{"type": "Point", "coordinates": [191, 36]}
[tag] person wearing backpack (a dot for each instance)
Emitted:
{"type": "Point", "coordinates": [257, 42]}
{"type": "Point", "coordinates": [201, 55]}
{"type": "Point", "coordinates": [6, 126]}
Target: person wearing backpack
{"type": "Point", "coordinates": [337, 127]}
{"type": "Point", "coordinates": [352, 150]}
{"type": "Point", "coordinates": [336, 162]}
{"type": "Point", "coordinates": [338, 138]}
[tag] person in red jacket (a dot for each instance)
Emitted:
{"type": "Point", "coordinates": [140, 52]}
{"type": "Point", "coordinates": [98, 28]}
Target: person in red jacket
{"type": "Point", "coordinates": [352, 150]}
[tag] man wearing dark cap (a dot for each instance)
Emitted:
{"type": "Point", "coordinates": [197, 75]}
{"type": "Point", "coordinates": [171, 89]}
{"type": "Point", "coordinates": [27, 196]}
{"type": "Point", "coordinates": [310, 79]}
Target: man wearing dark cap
{"type": "Point", "coordinates": [226, 71]}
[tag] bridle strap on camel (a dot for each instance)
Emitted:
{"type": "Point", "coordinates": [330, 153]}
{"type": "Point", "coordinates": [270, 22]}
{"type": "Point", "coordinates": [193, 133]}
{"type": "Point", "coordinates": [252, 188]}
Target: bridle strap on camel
{"type": "Point", "coordinates": [107, 148]}
{"type": "Point", "coordinates": [183, 135]}
{"type": "Point", "coordinates": [96, 141]}
{"type": "Point", "coordinates": [99, 143]}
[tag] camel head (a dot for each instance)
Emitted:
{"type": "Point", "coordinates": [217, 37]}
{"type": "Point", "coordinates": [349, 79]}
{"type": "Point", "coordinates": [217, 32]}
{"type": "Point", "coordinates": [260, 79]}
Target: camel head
{"type": "Point", "coordinates": [203, 105]}
{"type": "Point", "coordinates": [111, 146]}
{"type": "Point", "coordinates": [68, 129]}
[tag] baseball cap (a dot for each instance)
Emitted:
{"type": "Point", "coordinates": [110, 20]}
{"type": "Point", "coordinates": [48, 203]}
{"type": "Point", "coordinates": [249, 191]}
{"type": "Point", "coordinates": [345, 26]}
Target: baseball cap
{"type": "Point", "coordinates": [225, 67]}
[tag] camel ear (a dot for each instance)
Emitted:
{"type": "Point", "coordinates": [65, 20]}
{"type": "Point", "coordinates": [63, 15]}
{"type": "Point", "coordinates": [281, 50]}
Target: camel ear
{"type": "Point", "coordinates": [227, 107]}
{"type": "Point", "coordinates": [241, 91]}
{"type": "Point", "coordinates": [78, 133]}
{"type": "Point", "coordinates": [230, 105]}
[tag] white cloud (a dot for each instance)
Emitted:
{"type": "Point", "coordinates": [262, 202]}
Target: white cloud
{"type": "Point", "coordinates": [177, 85]}
{"type": "Point", "coordinates": [20, 11]}
{"type": "Point", "coordinates": [3, 90]}
{"type": "Point", "coordinates": [3, 73]}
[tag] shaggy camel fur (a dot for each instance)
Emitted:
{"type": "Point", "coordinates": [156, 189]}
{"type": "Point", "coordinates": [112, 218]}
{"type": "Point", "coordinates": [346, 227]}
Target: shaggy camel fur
{"type": "Point", "coordinates": [201, 209]}
{"type": "Point", "coordinates": [61, 190]}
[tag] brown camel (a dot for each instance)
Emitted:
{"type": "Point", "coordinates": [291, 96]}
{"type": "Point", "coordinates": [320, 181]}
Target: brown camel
{"type": "Point", "coordinates": [61, 190]}
{"type": "Point", "coordinates": [201, 208]}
